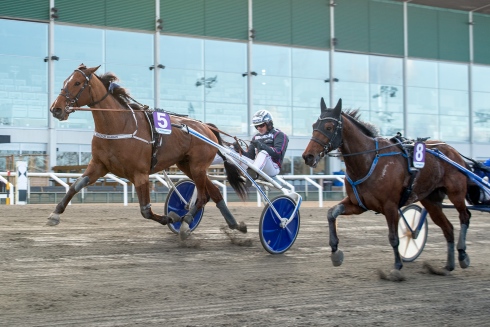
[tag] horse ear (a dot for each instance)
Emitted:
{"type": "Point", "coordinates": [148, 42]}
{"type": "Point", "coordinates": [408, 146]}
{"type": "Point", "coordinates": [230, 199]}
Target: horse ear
{"type": "Point", "coordinates": [338, 108]}
{"type": "Point", "coordinates": [92, 70]}
{"type": "Point", "coordinates": [323, 106]}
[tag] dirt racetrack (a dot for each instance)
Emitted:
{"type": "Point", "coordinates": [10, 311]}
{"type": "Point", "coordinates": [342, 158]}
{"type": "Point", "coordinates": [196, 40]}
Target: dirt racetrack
{"type": "Point", "coordinates": [105, 265]}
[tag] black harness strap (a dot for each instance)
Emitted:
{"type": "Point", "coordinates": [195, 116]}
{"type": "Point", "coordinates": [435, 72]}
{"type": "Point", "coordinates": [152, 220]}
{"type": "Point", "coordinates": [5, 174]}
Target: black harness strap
{"type": "Point", "coordinates": [398, 139]}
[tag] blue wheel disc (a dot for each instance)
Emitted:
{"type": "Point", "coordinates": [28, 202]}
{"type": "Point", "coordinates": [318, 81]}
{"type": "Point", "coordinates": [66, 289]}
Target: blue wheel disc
{"type": "Point", "coordinates": [274, 238]}
{"type": "Point", "coordinates": [175, 204]}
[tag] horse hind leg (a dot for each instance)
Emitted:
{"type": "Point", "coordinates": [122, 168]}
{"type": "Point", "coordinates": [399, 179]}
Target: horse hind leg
{"type": "Point", "coordinates": [215, 194]}
{"type": "Point", "coordinates": [54, 217]}
{"type": "Point", "coordinates": [439, 218]}
{"type": "Point", "coordinates": [464, 218]}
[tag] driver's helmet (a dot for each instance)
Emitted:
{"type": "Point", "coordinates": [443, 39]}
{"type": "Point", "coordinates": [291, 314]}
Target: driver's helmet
{"type": "Point", "coordinates": [261, 116]}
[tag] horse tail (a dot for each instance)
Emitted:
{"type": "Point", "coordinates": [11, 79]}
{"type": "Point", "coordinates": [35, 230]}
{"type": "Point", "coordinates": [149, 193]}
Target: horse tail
{"type": "Point", "coordinates": [232, 172]}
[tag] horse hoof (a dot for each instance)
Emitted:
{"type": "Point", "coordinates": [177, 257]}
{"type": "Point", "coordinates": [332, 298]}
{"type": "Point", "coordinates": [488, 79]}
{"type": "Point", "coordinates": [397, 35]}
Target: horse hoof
{"type": "Point", "coordinates": [437, 271]}
{"type": "Point", "coordinates": [184, 232]}
{"type": "Point", "coordinates": [465, 263]}
{"type": "Point", "coordinates": [53, 220]}
{"type": "Point", "coordinates": [337, 258]}
{"type": "Point", "coordinates": [174, 217]}
{"type": "Point", "coordinates": [242, 227]}
{"type": "Point", "coordinates": [396, 275]}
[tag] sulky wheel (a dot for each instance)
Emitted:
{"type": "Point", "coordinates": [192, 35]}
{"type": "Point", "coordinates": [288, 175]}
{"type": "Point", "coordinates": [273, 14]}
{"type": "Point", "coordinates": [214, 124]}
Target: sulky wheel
{"type": "Point", "coordinates": [175, 204]}
{"type": "Point", "coordinates": [274, 238]}
{"type": "Point", "coordinates": [412, 243]}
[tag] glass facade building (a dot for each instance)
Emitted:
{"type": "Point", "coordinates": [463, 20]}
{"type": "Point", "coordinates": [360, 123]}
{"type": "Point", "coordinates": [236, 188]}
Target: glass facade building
{"type": "Point", "coordinates": [422, 71]}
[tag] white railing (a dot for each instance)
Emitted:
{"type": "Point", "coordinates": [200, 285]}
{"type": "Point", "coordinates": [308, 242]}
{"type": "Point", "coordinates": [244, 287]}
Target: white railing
{"type": "Point", "coordinates": [220, 180]}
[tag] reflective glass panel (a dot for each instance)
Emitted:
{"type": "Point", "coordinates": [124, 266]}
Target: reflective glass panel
{"type": "Point", "coordinates": [421, 125]}
{"type": "Point", "coordinates": [308, 63]}
{"type": "Point", "coordinates": [453, 103]}
{"type": "Point", "coordinates": [422, 73]}
{"type": "Point", "coordinates": [181, 52]}
{"type": "Point", "coordinates": [224, 56]}
{"type": "Point", "coordinates": [23, 92]}
{"type": "Point", "coordinates": [231, 119]}
{"type": "Point", "coordinates": [453, 76]}
{"type": "Point", "coordinates": [422, 100]}
{"type": "Point", "coordinates": [353, 95]}
{"type": "Point", "coordinates": [350, 67]}
{"type": "Point", "coordinates": [22, 38]}
{"type": "Point", "coordinates": [80, 44]}
{"type": "Point", "coordinates": [271, 60]}
{"type": "Point", "coordinates": [308, 92]}
{"type": "Point", "coordinates": [271, 90]}
{"type": "Point", "coordinates": [224, 87]}
{"type": "Point", "coordinates": [385, 70]}
{"type": "Point", "coordinates": [481, 118]}
{"type": "Point", "coordinates": [481, 78]}
{"type": "Point", "coordinates": [454, 128]}
{"type": "Point", "coordinates": [129, 48]}
{"type": "Point", "coordinates": [181, 84]}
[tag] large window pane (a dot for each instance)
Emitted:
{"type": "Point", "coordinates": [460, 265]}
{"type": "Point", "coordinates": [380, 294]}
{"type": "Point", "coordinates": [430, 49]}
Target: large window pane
{"type": "Point", "coordinates": [422, 73]}
{"type": "Point", "coordinates": [310, 63]}
{"type": "Point", "coordinates": [225, 56]}
{"type": "Point", "coordinates": [350, 67]}
{"type": "Point", "coordinates": [453, 76]}
{"type": "Point", "coordinates": [232, 119]}
{"type": "Point", "coordinates": [83, 45]}
{"type": "Point", "coordinates": [271, 60]}
{"type": "Point", "coordinates": [129, 48]}
{"type": "Point", "coordinates": [181, 52]}
{"type": "Point", "coordinates": [272, 90]}
{"type": "Point", "coordinates": [481, 78]}
{"type": "Point", "coordinates": [23, 74]}
{"type": "Point", "coordinates": [481, 118]}
{"type": "Point", "coordinates": [23, 38]}
{"type": "Point", "coordinates": [385, 70]}
{"type": "Point", "coordinates": [421, 125]}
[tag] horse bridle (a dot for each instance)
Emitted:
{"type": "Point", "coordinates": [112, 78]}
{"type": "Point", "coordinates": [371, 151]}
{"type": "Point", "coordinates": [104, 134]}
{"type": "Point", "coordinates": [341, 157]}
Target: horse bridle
{"type": "Point", "coordinates": [335, 136]}
{"type": "Point", "coordinates": [74, 101]}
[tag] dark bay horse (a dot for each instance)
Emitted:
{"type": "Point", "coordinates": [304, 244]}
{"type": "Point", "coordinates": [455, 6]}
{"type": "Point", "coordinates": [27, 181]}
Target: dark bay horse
{"type": "Point", "coordinates": [124, 144]}
{"type": "Point", "coordinates": [377, 174]}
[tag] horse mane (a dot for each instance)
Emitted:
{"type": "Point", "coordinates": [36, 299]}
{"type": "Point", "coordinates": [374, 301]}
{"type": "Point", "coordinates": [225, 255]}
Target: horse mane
{"type": "Point", "coordinates": [367, 128]}
{"type": "Point", "coordinates": [120, 93]}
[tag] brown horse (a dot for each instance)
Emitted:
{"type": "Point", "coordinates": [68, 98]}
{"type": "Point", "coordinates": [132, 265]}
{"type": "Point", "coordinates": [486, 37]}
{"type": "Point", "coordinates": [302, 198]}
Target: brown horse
{"type": "Point", "coordinates": [377, 175]}
{"type": "Point", "coordinates": [124, 144]}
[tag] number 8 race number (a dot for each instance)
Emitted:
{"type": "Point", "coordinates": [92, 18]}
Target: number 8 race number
{"type": "Point", "coordinates": [419, 155]}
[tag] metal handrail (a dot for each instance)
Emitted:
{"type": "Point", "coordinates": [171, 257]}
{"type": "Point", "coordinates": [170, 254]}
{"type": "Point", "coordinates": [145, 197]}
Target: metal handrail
{"type": "Point", "coordinates": [220, 180]}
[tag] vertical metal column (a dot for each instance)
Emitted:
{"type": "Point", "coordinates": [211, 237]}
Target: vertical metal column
{"type": "Point", "coordinates": [249, 65]}
{"type": "Point", "coordinates": [156, 56]}
{"type": "Point", "coordinates": [332, 51]}
{"type": "Point", "coordinates": [52, 141]}
{"type": "Point", "coordinates": [470, 82]}
{"type": "Point", "coordinates": [333, 163]}
{"type": "Point", "coordinates": [405, 68]}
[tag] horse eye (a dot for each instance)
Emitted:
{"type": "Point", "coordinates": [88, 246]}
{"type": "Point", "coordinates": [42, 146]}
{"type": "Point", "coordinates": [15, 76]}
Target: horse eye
{"type": "Point", "coordinates": [77, 83]}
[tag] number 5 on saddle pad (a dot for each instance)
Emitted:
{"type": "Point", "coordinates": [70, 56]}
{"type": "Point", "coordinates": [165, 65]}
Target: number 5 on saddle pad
{"type": "Point", "coordinates": [162, 122]}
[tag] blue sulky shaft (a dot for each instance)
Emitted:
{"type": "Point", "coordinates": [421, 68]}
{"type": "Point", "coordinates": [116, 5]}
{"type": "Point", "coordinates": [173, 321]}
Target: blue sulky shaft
{"type": "Point", "coordinates": [480, 181]}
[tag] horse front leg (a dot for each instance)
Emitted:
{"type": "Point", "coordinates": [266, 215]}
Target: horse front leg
{"type": "Point", "coordinates": [143, 192]}
{"type": "Point", "coordinates": [92, 173]}
{"type": "Point", "coordinates": [345, 207]}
